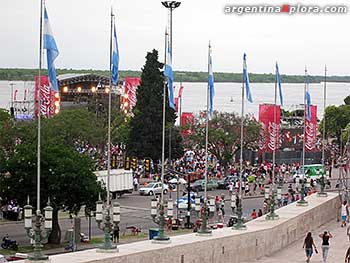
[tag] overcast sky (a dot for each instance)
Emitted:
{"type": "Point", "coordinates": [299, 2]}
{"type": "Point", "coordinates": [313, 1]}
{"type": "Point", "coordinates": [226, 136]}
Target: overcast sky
{"type": "Point", "coordinates": [81, 29]}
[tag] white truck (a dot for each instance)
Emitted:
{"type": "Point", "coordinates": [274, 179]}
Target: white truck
{"type": "Point", "coordinates": [120, 181]}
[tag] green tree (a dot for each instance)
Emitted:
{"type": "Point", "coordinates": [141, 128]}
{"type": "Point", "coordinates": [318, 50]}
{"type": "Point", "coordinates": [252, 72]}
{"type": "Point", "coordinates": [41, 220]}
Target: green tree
{"type": "Point", "coordinates": [73, 124]}
{"type": "Point", "coordinates": [67, 178]}
{"type": "Point", "coordinates": [145, 138]}
{"type": "Point", "coordinates": [224, 135]}
{"type": "Point", "coordinates": [336, 119]}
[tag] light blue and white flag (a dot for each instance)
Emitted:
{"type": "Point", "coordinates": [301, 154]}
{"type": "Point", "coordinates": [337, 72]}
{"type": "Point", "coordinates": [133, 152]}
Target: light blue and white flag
{"type": "Point", "coordinates": [115, 58]}
{"type": "Point", "coordinates": [168, 72]}
{"type": "Point", "coordinates": [246, 79]}
{"type": "Point", "coordinates": [308, 100]}
{"type": "Point", "coordinates": [51, 51]}
{"type": "Point", "coordinates": [278, 77]}
{"type": "Point", "coordinates": [210, 83]}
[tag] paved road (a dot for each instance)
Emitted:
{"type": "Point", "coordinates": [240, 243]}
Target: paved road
{"type": "Point", "coordinates": [135, 210]}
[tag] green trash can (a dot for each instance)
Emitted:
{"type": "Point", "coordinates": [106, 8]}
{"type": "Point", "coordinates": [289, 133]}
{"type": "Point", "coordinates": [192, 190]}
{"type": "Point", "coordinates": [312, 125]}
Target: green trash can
{"type": "Point", "coordinates": [152, 233]}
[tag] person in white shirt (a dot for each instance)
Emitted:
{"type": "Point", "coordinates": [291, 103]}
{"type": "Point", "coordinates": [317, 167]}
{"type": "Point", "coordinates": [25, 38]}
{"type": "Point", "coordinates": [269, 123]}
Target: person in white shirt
{"type": "Point", "coordinates": [344, 213]}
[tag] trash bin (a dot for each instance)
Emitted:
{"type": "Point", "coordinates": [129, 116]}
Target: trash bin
{"type": "Point", "coordinates": [153, 232]}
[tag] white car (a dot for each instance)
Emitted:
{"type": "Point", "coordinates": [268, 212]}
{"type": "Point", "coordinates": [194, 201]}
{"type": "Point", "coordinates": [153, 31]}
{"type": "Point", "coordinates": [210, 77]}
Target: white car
{"type": "Point", "coordinates": [153, 188]}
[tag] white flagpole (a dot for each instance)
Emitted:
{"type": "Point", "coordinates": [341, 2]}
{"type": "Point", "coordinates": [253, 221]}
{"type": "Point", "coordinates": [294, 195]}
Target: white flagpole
{"type": "Point", "coordinates": [39, 109]}
{"type": "Point", "coordinates": [109, 112]}
{"type": "Point", "coordinates": [324, 116]}
{"type": "Point", "coordinates": [207, 134]}
{"type": "Point", "coordinates": [240, 224]}
{"type": "Point", "coordinates": [305, 109]}
{"type": "Point", "coordinates": [302, 202]}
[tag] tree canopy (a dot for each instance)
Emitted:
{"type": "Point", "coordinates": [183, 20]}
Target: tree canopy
{"type": "Point", "coordinates": [224, 135]}
{"type": "Point", "coordinates": [337, 118]}
{"type": "Point", "coordinates": [66, 175]}
{"type": "Point", "coordinates": [145, 139]}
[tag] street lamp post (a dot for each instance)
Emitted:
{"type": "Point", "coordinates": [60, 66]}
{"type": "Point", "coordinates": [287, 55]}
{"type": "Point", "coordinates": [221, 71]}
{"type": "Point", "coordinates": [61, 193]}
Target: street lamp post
{"type": "Point", "coordinates": [158, 208]}
{"type": "Point", "coordinates": [39, 235]}
{"type": "Point", "coordinates": [204, 212]}
{"type": "Point", "coordinates": [272, 195]}
{"type": "Point", "coordinates": [105, 214]}
{"type": "Point", "coordinates": [302, 201]}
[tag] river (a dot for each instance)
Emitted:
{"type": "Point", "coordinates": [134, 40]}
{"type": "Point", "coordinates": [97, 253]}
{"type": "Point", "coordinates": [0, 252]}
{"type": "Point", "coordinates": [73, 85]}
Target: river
{"type": "Point", "coordinates": [227, 95]}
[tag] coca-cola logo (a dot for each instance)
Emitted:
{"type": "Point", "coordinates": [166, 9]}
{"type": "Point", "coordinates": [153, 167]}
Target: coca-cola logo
{"type": "Point", "coordinates": [273, 136]}
{"type": "Point", "coordinates": [46, 101]}
{"type": "Point", "coordinates": [310, 135]}
{"type": "Point", "coordinates": [262, 141]}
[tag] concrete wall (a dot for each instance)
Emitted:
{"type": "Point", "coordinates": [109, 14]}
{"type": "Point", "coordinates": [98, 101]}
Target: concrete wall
{"type": "Point", "coordinates": [262, 238]}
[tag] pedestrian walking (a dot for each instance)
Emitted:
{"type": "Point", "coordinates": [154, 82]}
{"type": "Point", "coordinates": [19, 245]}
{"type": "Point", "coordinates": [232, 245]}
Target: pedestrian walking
{"type": "Point", "coordinates": [135, 183]}
{"type": "Point", "coordinates": [217, 203]}
{"type": "Point", "coordinates": [116, 231]}
{"type": "Point", "coordinates": [347, 256]}
{"type": "Point", "coordinates": [325, 236]}
{"type": "Point", "coordinates": [230, 188]}
{"type": "Point", "coordinates": [344, 213]}
{"type": "Point", "coordinates": [222, 205]}
{"type": "Point", "coordinates": [260, 213]}
{"type": "Point", "coordinates": [309, 245]}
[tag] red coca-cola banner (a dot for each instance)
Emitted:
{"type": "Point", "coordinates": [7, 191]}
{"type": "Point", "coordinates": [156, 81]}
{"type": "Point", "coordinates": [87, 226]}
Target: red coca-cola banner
{"type": "Point", "coordinates": [310, 130]}
{"type": "Point", "coordinates": [187, 118]}
{"type": "Point", "coordinates": [47, 97]}
{"type": "Point", "coordinates": [270, 132]}
{"type": "Point", "coordinates": [131, 85]}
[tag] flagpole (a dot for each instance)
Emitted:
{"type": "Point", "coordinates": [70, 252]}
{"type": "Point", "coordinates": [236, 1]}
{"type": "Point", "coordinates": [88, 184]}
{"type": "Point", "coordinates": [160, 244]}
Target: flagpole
{"type": "Point", "coordinates": [161, 237]}
{"type": "Point", "coordinates": [324, 115]}
{"type": "Point", "coordinates": [272, 214]}
{"type": "Point", "coordinates": [204, 215]}
{"type": "Point", "coordinates": [107, 245]}
{"type": "Point", "coordinates": [322, 179]}
{"type": "Point", "coordinates": [39, 109]}
{"type": "Point", "coordinates": [36, 233]}
{"type": "Point", "coordinates": [163, 128]}
{"type": "Point", "coordinates": [180, 107]}
{"type": "Point", "coordinates": [303, 202]}
{"type": "Point", "coordinates": [109, 112]}
{"type": "Point", "coordinates": [240, 224]}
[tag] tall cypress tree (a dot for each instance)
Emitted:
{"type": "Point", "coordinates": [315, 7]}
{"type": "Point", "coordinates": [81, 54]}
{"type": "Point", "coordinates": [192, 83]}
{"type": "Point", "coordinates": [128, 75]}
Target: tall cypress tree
{"type": "Point", "coordinates": [145, 139]}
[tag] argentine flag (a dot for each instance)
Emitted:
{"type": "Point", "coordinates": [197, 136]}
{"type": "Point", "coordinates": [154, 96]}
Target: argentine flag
{"type": "Point", "coordinates": [246, 79]}
{"type": "Point", "coordinates": [115, 58]}
{"type": "Point", "coordinates": [210, 83]}
{"type": "Point", "coordinates": [168, 72]}
{"type": "Point", "coordinates": [308, 101]}
{"type": "Point", "coordinates": [278, 77]}
{"type": "Point", "coordinates": [51, 51]}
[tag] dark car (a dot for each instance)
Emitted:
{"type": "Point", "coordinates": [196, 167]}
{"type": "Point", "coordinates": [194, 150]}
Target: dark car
{"type": "Point", "coordinates": [223, 184]}
{"type": "Point", "coordinates": [199, 185]}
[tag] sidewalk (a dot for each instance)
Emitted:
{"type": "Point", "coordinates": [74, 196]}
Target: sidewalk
{"type": "Point", "coordinates": [294, 253]}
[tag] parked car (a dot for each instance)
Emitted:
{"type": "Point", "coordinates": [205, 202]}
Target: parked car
{"type": "Point", "coordinates": [224, 183]}
{"type": "Point", "coordinates": [184, 200]}
{"type": "Point", "coordinates": [153, 189]}
{"type": "Point", "coordinates": [199, 185]}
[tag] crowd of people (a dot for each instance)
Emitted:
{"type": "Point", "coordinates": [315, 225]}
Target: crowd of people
{"type": "Point", "coordinates": [11, 211]}
{"type": "Point", "coordinates": [99, 154]}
